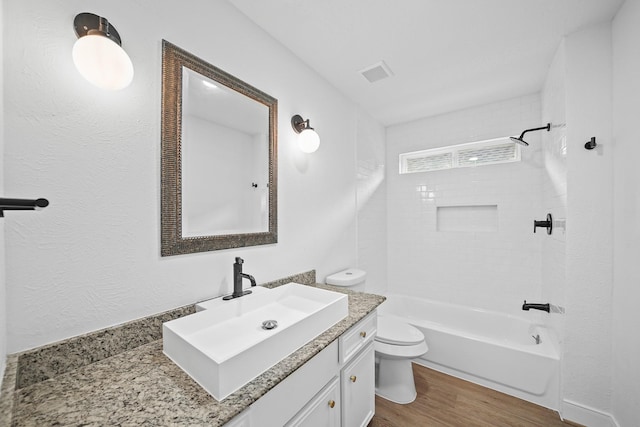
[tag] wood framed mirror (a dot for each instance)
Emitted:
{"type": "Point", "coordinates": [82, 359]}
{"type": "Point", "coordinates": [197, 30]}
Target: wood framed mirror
{"type": "Point", "coordinates": [219, 158]}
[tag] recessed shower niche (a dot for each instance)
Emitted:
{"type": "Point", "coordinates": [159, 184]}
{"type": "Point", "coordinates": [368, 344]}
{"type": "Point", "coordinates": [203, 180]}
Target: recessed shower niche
{"type": "Point", "coordinates": [474, 218]}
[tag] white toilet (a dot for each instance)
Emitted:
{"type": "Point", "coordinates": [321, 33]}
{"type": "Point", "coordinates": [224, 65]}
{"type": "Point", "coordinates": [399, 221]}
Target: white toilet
{"type": "Point", "coordinates": [396, 343]}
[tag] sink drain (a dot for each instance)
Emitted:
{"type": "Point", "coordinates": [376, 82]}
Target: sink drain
{"type": "Point", "coordinates": [269, 324]}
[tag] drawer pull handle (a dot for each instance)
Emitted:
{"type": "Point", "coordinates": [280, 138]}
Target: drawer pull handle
{"type": "Point", "coordinates": [353, 378]}
{"type": "Point", "coordinates": [332, 403]}
{"type": "Point", "coordinates": [363, 334]}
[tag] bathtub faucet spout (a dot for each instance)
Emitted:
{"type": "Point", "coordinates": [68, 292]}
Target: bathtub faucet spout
{"type": "Point", "coordinates": [544, 307]}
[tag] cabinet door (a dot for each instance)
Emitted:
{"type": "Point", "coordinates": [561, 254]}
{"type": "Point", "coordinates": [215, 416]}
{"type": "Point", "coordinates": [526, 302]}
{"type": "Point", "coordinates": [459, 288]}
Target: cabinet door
{"type": "Point", "coordinates": [358, 389]}
{"type": "Point", "coordinates": [322, 411]}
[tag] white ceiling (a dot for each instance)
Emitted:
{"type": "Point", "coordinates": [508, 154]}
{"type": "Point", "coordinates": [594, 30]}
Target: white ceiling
{"type": "Point", "coordinates": [445, 54]}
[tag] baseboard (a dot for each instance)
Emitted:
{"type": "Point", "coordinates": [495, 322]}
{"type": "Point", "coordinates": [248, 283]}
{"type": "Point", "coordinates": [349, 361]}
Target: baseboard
{"type": "Point", "coordinates": [586, 416]}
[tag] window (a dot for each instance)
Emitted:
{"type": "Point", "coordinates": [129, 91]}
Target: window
{"type": "Point", "coordinates": [480, 153]}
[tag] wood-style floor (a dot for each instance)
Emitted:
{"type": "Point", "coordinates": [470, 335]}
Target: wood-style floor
{"type": "Point", "coordinates": [447, 401]}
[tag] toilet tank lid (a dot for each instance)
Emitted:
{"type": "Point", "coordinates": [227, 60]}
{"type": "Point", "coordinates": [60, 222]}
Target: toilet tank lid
{"type": "Point", "coordinates": [348, 277]}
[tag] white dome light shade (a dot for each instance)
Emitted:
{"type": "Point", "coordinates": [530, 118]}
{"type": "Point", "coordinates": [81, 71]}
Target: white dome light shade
{"type": "Point", "coordinates": [97, 53]}
{"type": "Point", "coordinates": [102, 62]}
{"type": "Point", "coordinates": [309, 141]}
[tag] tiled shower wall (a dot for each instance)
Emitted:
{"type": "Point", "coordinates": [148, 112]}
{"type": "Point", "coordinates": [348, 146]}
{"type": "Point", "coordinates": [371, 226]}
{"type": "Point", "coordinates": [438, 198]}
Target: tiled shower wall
{"type": "Point", "coordinates": [489, 267]}
{"type": "Point", "coordinates": [554, 188]}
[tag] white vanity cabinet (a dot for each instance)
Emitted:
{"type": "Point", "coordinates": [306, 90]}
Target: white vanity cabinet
{"type": "Point", "coordinates": [323, 410]}
{"type": "Point", "coordinates": [357, 376]}
{"type": "Point", "coordinates": [334, 388]}
{"type": "Point", "coordinates": [357, 383]}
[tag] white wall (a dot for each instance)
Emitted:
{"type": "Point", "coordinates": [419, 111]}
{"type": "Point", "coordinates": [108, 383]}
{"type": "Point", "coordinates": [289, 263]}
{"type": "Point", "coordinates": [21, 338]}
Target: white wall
{"type": "Point", "coordinates": [494, 270]}
{"type": "Point", "coordinates": [626, 191]}
{"type": "Point", "coordinates": [586, 368]}
{"type": "Point", "coordinates": [92, 258]}
{"type": "Point", "coordinates": [554, 192]}
{"type": "Point", "coordinates": [372, 202]}
{"type": "Point", "coordinates": [3, 302]}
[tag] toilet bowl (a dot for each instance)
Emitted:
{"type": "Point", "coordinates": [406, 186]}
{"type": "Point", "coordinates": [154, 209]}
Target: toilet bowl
{"type": "Point", "coordinates": [396, 344]}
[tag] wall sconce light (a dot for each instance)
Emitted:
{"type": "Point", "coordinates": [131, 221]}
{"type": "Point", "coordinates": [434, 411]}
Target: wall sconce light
{"type": "Point", "coordinates": [309, 140]}
{"type": "Point", "coordinates": [98, 54]}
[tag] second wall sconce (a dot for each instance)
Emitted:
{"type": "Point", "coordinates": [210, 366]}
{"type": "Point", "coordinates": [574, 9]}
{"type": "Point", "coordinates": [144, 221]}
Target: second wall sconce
{"type": "Point", "coordinates": [309, 140]}
{"type": "Point", "coordinates": [98, 54]}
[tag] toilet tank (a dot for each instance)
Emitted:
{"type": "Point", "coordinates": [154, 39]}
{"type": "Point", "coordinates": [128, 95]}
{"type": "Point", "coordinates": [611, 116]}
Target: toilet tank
{"type": "Point", "coordinates": [349, 277]}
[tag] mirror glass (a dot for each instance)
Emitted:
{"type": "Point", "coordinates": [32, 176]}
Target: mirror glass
{"type": "Point", "coordinates": [218, 158]}
{"type": "Point", "coordinates": [225, 160]}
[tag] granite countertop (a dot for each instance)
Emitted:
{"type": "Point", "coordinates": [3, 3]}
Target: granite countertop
{"type": "Point", "coordinates": [142, 386]}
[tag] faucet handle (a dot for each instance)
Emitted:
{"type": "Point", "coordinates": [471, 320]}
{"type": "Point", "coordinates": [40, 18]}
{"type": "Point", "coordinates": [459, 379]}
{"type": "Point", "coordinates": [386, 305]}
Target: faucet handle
{"type": "Point", "coordinates": [239, 260]}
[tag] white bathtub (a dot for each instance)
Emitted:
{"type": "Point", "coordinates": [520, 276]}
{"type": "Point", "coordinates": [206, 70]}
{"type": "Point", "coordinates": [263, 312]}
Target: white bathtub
{"type": "Point", "coordinates": [488, 348]}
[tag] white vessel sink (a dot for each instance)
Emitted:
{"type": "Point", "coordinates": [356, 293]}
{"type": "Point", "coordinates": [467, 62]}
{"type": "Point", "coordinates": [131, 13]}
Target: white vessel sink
{"type": "Point", "coordinates": [224, 346]}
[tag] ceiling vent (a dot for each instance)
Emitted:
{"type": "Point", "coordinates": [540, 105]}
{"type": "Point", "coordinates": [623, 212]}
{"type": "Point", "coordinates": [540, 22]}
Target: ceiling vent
{"type": "Point", "coordinates": [377, 72]}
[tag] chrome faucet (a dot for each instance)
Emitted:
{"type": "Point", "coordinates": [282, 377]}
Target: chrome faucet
{"type": "Point", "coordinates": [238, 275]}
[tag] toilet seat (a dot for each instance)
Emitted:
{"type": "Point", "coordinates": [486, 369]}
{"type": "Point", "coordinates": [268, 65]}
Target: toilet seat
{"type": "Point", "coordinates": [392, 351]}
{"type": "Point", "coordinates": [391, 331]}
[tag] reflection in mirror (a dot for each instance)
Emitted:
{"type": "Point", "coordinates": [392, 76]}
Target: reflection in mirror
{"type": "Point", "coordinates": [219, 158]}
{"type": "Point", "coordinates": [225, 158]}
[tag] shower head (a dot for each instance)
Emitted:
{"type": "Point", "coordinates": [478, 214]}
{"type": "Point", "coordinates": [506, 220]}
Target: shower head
{"type": "Point", "coordinates": [521, 141]}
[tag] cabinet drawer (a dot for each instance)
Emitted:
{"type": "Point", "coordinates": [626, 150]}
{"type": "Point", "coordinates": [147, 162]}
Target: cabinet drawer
{"type": "Point", "coordinates": [357, 337]}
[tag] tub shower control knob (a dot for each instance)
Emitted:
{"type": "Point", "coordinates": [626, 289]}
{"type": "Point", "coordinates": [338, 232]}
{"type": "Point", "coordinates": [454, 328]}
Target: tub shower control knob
{"type": "Point", "coordinates": [548, 224]}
